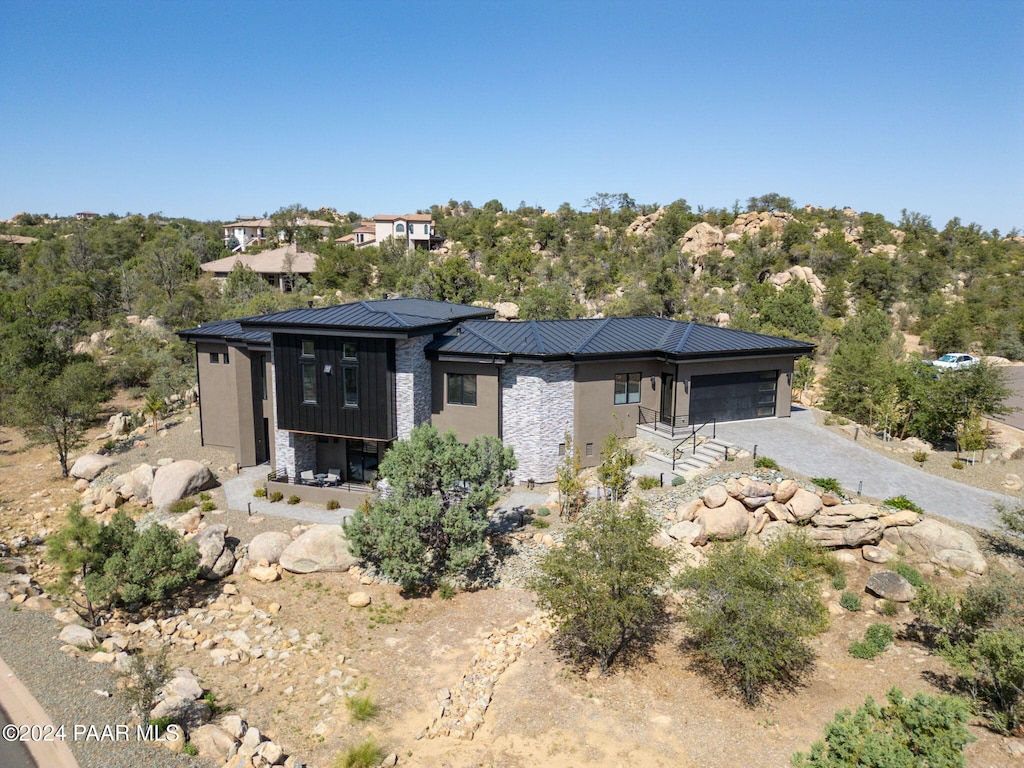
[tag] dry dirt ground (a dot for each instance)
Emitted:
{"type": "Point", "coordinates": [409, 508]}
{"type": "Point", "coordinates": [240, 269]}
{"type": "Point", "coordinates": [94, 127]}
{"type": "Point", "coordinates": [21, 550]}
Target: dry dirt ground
{"type": "Point", "coordinates": [400, 651]}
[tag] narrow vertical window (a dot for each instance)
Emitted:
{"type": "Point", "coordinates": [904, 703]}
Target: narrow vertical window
{"type": "Point", "coordinates": [309, 382]}
{"type": "Point", "coordinates": [350, 385]}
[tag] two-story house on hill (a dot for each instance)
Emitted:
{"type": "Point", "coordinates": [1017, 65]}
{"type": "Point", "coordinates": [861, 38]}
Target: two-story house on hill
{"type": "Point", "coordinates": [316, 390]}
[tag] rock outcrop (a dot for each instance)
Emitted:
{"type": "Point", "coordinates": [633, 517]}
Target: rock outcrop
{"type": "Point", "coordinates": [179, 479]}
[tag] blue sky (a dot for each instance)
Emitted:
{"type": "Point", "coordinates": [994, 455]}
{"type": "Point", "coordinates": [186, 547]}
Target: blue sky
{"type": "Point", "coordinates": [212, 110]}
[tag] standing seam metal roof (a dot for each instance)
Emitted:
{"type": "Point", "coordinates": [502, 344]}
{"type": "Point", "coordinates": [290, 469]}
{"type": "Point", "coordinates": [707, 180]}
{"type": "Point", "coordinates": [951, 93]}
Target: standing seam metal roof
{"type": "Point", "coordinates": [398, 314]}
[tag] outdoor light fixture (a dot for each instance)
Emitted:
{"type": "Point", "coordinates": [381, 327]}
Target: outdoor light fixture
{"type": "Point", "coordinates": [653, 379]}
{"type": "Point", "coordinates": [327, 369]}
{"type": "Point", "coordinates": [686, 386]}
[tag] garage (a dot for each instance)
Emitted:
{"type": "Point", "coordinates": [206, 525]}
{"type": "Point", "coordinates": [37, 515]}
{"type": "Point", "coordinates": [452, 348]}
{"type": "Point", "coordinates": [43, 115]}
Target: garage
{"type": "Point", "coordinates": [733, 396]}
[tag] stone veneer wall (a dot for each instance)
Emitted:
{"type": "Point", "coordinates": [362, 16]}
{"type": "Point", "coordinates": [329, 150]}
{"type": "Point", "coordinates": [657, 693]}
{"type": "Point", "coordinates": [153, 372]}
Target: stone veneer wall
{"type": "Point", "coordinates": [537, 411]}
{"type": "Point", "coordinates": [412, 384]}
{"type": "Point", "coordinates": [293, 452]}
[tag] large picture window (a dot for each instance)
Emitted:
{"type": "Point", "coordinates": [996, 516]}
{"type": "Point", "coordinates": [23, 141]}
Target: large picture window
{"type": "Point", "coordinates": [462, 388]}
{"type": "Point", "coordinates": [627, 388]}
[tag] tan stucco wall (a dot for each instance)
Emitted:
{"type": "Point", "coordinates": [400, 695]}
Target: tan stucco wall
{"type": "Point", "coordinates": [468, 421]}
{"type": "Point", "coordinates": [596, 415]}
{"type": "Point", "coordinates": [218, 396]}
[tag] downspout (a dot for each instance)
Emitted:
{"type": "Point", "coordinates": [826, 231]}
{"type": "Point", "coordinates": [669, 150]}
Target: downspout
{"type": "Point", "coordinates": [501, 415]}
{"type": "Point", "coordinates": [199, 400]}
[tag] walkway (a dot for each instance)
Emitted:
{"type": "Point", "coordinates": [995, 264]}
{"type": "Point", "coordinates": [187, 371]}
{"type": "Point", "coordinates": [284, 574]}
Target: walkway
{"type": "Point", "coordinates": [18, 706]}
{"type": "Point", "coordinates": [238, 491]}
{"type": "Point", "coordinates": [797, 443]}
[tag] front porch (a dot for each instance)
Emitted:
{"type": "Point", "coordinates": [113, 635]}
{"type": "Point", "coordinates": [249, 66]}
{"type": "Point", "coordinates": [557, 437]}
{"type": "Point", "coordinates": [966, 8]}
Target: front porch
{"type": "Point", "coordinates": [348, 495]}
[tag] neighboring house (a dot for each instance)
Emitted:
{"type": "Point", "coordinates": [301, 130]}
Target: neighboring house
{"type": "Point", "coordinates": [317, 389]}
{"type": "Point", "coordinates": [247, 232]}
{"type": "Point", "coordinates": [278, 266]}
{"type": "Point", "coordinates": [86, 215]}
{"type": "Point", "coordinates": [363, 235]}
{"type": "Point", "coordinates": [416, 230]}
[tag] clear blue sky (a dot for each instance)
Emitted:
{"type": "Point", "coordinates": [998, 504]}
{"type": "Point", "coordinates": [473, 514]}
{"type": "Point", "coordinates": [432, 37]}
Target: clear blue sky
{"type": "Point", "coordinates": [214, 109]}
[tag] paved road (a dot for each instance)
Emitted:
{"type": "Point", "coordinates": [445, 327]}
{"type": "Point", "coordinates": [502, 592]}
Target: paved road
{"type": "Point", "coordinates": [1015, 378]}
{"type": "Point", "coordinates": [798, 444]}
{"type": "Point", "coordinates": [13, 753]}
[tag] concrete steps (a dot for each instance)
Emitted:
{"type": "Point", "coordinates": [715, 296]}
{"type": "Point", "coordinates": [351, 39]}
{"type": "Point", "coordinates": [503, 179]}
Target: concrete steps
{"type": "Point", "coordinates": [709, 453]}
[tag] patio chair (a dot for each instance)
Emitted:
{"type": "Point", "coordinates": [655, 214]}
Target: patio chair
{"type": "Point", "coordinates": [333, 477]}
{"type": "Point", "coordinates": [307, 478]}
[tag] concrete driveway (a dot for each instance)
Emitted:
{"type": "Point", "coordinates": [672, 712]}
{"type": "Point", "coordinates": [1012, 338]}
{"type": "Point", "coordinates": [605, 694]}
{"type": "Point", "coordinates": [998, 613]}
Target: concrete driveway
{"type": "Point", "coordinates": [798, 444]}
{"type": "Point", "coordinates": [1015, 380]}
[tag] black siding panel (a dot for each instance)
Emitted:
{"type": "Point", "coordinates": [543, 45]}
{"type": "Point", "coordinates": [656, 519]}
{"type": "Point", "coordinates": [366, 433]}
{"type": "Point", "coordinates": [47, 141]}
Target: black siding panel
{"type": "Point", "coordinates": [374, 417]}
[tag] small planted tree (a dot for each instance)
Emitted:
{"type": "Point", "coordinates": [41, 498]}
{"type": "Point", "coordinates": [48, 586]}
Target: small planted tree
{"type": "Point", "coordinates": [909, 733]}
{"type": "Point", "coordinates": [572, 496]}
{"type": "Point", "coordinates": [433, 523]}
{"type": "Point", "coordinates": [616, 461]}
{"type": "Point", "coordinates": [603, 586]}
{"type": "Point", "coordinates": [749, 612]}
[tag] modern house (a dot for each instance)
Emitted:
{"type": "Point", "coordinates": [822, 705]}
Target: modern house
{"type": "Point", "coordinates": [311, 390]}
{"type": "Point", "coordinates": [416, 230]}
{"type": "Point", "coordinates": [247, 232]}
{"type": "Point", "coordinates": [278, 266]}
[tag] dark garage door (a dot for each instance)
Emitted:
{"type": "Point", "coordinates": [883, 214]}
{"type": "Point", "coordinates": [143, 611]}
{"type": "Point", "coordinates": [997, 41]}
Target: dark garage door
{"type": "Point", "coordinates": [732, 396]}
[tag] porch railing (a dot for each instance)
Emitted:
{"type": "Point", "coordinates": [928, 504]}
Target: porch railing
{"type": "Point", "coordinates": [281, 476]}
{"type": "Point", "coordinates": [662, 422]}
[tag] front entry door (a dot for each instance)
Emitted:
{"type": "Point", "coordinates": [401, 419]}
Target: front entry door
{"type": "Point", "coordinates": [667, 397]}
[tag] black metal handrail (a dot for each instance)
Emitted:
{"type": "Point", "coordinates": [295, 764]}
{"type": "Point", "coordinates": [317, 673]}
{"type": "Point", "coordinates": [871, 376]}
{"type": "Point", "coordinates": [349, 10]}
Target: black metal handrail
{"type": "Point", "coordinates": [281, 476]}
{"type": "Point", "coordinates": [658, 419]}
{"type": "Point", "coordinates": [692, 437]}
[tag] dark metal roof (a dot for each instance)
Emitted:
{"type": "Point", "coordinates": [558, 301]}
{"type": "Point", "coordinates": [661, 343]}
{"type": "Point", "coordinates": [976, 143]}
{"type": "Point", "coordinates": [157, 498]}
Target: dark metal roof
{"type": "Point", "coordinates": [226, 330]}
{"type": "Point", "coordinates": [613, 336]}
{"type": "Point", "coordinates": [381, 314]}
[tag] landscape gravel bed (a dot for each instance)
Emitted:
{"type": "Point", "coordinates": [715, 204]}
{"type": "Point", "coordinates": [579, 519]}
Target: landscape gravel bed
{"type": "Point", "coordinates": [65, 688]}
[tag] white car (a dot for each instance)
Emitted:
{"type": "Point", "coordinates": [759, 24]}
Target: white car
{"type": "Point", "coordinates": [956, 360]}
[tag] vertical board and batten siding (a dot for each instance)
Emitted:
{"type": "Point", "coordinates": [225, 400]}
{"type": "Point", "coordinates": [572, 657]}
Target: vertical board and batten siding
{"type": "Point", "coordinates": [374, 417]}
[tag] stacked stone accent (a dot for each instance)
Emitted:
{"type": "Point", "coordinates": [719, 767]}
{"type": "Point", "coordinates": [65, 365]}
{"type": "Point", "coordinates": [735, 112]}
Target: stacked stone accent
{"type": "Point", "coordinates": [537, 410]}
{"type": "Point", "coordinates": [412, 384]}
{"type": "Point", "coordinates": [295, 452]}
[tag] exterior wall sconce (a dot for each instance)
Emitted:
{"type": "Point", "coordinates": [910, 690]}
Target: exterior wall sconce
{"type": "Point", "coordinates": [653, 380]}
{"type": "Point", "coordinates": [789, 379]}
{"type": "Point", "coordinates": [327, 369]}
{"type": "Point", "coordinates": [686, 386]}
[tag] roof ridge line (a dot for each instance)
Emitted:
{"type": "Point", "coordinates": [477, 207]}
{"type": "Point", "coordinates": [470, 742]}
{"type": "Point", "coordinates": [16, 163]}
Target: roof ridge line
{"type": "Point", "coordinates": [685, 337]}
{"type": "Point", "coordinates": [591, 335]}
{"type": "Point", "coordinates": [369, 308]}
{"type": "Point", "coordinates": [668, 332]}
{"type": "Point", "coordinates": [536, 338]}
{"type": "Point", "coordinates": [480, 336]}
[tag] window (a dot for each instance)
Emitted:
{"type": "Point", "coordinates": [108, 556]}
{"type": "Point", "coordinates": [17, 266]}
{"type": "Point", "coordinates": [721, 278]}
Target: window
{"type": "Point", "coordinates": [590, 449]}
{"type": "Point", "coordinates": [400, 228]}
{"type": "Point", "coordinates": [307, 348]}
{"type": "Point", "coordinates": [309, 383]}
{"type": "Point", "coordinates": [348, 350]}
{"type": "Point", "coordinates": [627, 388]}
{"type": "Point", "coordinates": [462, 388]}
{"type": "Point", "coordinates": [362, 460]}
{"type": "Point", "coordinates": [263, 375]}
{"type": "Point", "coordinates": [350, 385]}
{"type": "Point", "coordinates": [225, 358]}
{"type": "Point", "coordinates": [214, 358]}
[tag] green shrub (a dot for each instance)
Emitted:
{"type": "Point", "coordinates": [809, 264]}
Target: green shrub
{"type": "Point", "coordinates": [603, 586]}
{"type": "Point", "coordinates": [366, 754]}
{"type": "Point", "coordinates": [920, 456]}
{"type": "Point", "coordinates": [648, 482]}
{"type": "Point", "coordinates": [145, 675]}
{"type": "Point", "coordinates": [839, 581]}
{"type": "Point", "coordinates": [293, 499]}
{"type": "Point", "coordinates": [911, 574]}
{"type": "Point", "coordinates": [909, 733]}
{"type": "Point", "coordinates": [678, 480]}
{"type": "Point", "coordinates": [204, 496]}
{"type": "Point", "coordinates": [763, 462]}
{"type": "Point", "coordinates": [749, 612]}
{"type": "Point", "coordinates": [540, 522]}
{"type": "Point", "coordinates": [208, 506]}
{"type": "Point", "coordinates": [829, 484]}
{"type": "Point", "coordinates": [260, 493]}
{"type": "Point", "coordinates": [110, 445]}
{"type": "Point", "coordinates": [957, 464]}
{"type": "Point", "coordinates": [332, 504]}
{"type": "Point", "coordinates": [361, 707]}
{"type": "Point", "coordinates": [190, 749]}
{"type": "Point", "coordinates": [542, 512]}
{"type": "Point", "coordinates": [181, 506]}
{"type": "Point", "coordinates": [877, 638]}
{"type": "Point", "coordinates": [850, 601]}
{"type": "Point", "coordinates": [446, 590]}
{"type": "Point", "coordinates": [889, 607]}
{"type": "Point", "coordinates": [902, 502]}
{"type": "Point", "coordinates": [275, 496]}
{"type": "Point", "coordinates": [996, 678]}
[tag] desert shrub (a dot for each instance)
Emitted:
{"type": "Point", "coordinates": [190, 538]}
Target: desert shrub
{"type": "Point", "coordinates": [540, 522]}
{"type": "Point", "coordinates": [648, 482]}
{"type": "Point", "coordinates": [877, 638]}
{"type": "Point", "coordinates": [204, 496]}
{"type": "Point", "coordinates": [763, 462]}
{"type": "Point", "coordinates": [542, 512]}
{"type": "Point", "coordinates": [260, 493]}
{"type": "Point", "coordinates": [190, 749]}
{"type": "Point", "coordinates": [208, 506]}
{"type": "Point", "coordinates": [275, 496]}
{"type": "Point", "coordinates": [902, 502]}
{"type": "Point", "coordinates": [145, 675]}
{"type": "Point", "coordinates": [920, 456]}
{"type": "Point", "coordinates": [446, 590]}
{"type": "Point", "coordinates": [850, 601]}
{"type": "Point", "coordinates": [829, 484]}
{"type": "Point", "coordinates": [909, 733]}
{"type": "Point", "coordinates": [1010, 521]}
{"type": "Point", "coordinates": [366, 754]}
{"type": "Point", "coordinates": [678, 480]}
{"type": "Point", "coordinates": [749, 612]}
{"type": "Point", "coordinates": [361, 707]}
{"type": "Point", "coordinates": [332, 504]}
{"type": "Point", "coordinates": [957, 464]}
{"type": "Point", "coordinates": [889, 607]}
{"type": "Point", "coordinates": [911, 574]}
{"type": "Point", "coordinates": [180, 507]}
{"type": "Point", "coordinates": [839, 581]}
{"type": "Point", "coordinates": [994, 677]}
{"type": "Point", "coordinates": [293, 499]}
{"type": "Point", "coordinates": [603, 586]}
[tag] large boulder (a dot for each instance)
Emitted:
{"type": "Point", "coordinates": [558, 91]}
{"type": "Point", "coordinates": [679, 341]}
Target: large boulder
{"type": "Point", "coordinates": [179, 479]}
{"type": "Point", "coordinates": [774, 530]}
{"type": "Point", "coordinates": [76, 634]}
{"type": "Point", "coordinates": [216, 560]}
{"type": "Point", "coordinates": [941, 543]}
{"type": "Point", "coordinates": [715, 496]}
{"type": "Point", "coordinates": [784, 491]}
{"type": "Point", "coordinates": [322, 548]}
{"type": "Point", "coordinates": [889, 585]}
{"type": "Point", "coordinates": [268, 546]}
{"type": "Point", "coordinates": [89, 466]}
{"type": "Point", "coordinates": [842, 514]}
{"type": "Point", "coordinates": [727, 522]}
{"type": "Point", "coordinates": [855, 534]}
{"type": "Point", "coordinates": [212, 742]}
{"type": "Point", "coordinates": [688, 531]}
{"type": "Point", "coordinates": [142, 482]}
{"type": "Point", "coordinates": [804, 505]}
